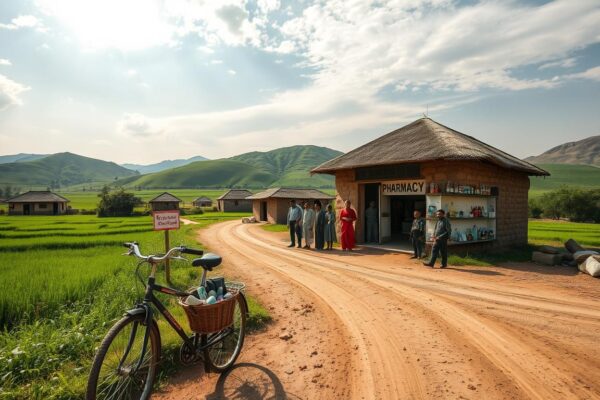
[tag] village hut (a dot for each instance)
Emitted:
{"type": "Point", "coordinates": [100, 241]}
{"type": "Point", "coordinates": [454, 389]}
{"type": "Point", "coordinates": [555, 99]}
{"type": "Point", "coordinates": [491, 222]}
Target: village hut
{"type": "Point", "coordinates": [202, 201]}
{"type": "Point", "coordinates": [272, 205]}
{"type": "Point", "coordinates": [165, 201]}
{"type": "Point", "coordinates": [427, 166]}
{"type": "Point", "coordinates": [37, 203]}
{"type": "Point", "coordinates": [234, 200]}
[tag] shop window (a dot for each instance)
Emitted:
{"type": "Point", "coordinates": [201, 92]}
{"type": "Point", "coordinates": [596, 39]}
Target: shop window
{"type": "Point", "coordinates": [43, 205]}
{"type": "Point", "coordinates": [380, 172]}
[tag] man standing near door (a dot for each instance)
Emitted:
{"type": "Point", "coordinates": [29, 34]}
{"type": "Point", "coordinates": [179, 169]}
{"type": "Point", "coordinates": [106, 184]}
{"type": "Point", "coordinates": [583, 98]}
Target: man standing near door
{"type": "Point", "coordinates": [294, 220]}
{"type": "Point", "coordinates": [417, 234]}
{"type": "Point", "coordinates": [372, 222]}
{"type": "Point", "coordinates": [441, 234]}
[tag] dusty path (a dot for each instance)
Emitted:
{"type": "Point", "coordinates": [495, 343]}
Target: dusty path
{"type": "Point", "coordinates": [380, 326]}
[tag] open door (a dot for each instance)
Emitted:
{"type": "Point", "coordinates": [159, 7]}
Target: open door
{"type": "Point", "coordinates": [385, 221]}
{"type": "Point", "coordinates": [263, 210]}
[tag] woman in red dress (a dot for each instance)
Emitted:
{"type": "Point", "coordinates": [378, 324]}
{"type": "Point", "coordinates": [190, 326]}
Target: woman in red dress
{"type": "Point", "coordinates": [348, 216]}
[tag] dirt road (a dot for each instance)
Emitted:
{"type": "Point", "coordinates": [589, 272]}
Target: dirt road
{"type": "Point", "coordinates": [370, 325]}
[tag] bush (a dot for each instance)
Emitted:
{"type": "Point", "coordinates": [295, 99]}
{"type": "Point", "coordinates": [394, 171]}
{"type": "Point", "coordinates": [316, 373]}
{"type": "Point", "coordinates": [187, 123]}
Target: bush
{"type": "Point", "coordinates": [578, 205]}
{"type": "Point", "coordinates": [535, 208]}
{"type": "Point", "coordinates": [195, 210]}
{"type": "Point", "coordinates": [117, 204]}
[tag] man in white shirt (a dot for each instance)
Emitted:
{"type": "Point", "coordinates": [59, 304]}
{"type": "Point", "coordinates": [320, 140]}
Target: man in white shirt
{"type": "Point", "coordinates": [294, 223]}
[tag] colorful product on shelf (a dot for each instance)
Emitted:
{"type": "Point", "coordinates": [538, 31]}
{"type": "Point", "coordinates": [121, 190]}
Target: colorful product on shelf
{"type": "Point", "coordinates": [451, 187]}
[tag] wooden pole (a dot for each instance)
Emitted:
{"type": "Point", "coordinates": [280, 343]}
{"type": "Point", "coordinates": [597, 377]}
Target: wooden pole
{"type": "Point", "coordinates": [167, 266]}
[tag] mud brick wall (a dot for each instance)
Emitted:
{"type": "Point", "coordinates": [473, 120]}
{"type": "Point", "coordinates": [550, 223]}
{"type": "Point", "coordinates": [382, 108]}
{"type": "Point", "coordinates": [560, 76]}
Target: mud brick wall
{"type": "Point", "coordinates": [511, 203]}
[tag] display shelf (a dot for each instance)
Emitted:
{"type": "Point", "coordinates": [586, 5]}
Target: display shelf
{"type": "Point", "coordinates": [452, 219]}
{"type": "Point", "coordinates": [460, 195]}
{"type": "Point", "coordinates": [453, 243]}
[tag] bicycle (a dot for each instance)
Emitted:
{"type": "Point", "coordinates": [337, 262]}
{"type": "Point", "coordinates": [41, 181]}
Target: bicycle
{"type": "Point", "coordinates": [126, 362]}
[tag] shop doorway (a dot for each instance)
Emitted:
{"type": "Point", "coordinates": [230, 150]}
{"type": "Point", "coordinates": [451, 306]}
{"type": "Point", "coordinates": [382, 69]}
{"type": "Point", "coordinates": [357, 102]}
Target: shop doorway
{"type": "Point", "coordinates": [401, 215]}
{"type": "Point", "coordinates": [263, 210]}
{"type": "Point", "coordinates": [371, 196]}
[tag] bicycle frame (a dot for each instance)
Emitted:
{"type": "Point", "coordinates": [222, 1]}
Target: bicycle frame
{"type": "Point", "coordinates": [207, 340]}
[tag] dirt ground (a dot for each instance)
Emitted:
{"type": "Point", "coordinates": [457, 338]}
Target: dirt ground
{"type": "Point", "coordinates": [371, 325]}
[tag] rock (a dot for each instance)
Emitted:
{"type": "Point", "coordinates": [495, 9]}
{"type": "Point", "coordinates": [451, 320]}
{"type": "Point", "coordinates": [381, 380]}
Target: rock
{"type": "Point", "coordinates": [471, 387]}
{"type": "Point", "coordinates": [548, 249]}
{"type": "Point", "coordinates": [318, 365]}
{"type": "Point", "coordinates": [289, 371]}
{"type": "Point", "coordinates": [303, 367]}
{"type": "Point", "coordinates": [546, 259]}
{"type": "Point", "coordinates": [285, 336]}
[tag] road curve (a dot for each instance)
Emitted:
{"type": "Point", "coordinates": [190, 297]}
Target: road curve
{"type": "Point", "coordinates": [408, 332]}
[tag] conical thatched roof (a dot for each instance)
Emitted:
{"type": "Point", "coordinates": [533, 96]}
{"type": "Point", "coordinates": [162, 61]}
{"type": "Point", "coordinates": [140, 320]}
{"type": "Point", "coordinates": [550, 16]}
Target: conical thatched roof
{"type": "Point", "coordinates": [425, 140]}
{"type": "Point", "coordinates": [165, 197]}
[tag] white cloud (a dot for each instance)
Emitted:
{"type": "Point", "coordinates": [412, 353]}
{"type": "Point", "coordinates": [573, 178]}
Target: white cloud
{"type": "Point", "coordinates": [4, 61]}
{"type": "Point", "coordinates": [138, 126]}
{"type": "Point", "coordinates": [22, 21]}
{"type": "Point", "coordinates": [9, 92]}
{"type": "Point", "coordinates": [132, 72]}
{"type": "Point", "coordinates": [231, 72]}
{"type": "Point", "coordinates": [564, 63]}
{"type": "Point", "coordinates": [592, 74]}
{"type": "Point", "coordinates": [216, 62]}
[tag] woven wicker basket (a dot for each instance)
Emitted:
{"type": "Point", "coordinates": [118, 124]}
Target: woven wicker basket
{"type": "Point", "coordinates": [208, 318]}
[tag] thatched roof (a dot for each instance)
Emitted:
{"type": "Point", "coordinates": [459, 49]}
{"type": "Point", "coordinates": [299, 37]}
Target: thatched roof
{"type": "Point", "coordinates": [165, 198]}
{"type": "Point", "coordinates": [43, 196]}
{"type": "Point", "coordinates": [202, 198]}
{"type": "Point", "coordinates": [297, 194]}
{"type": "Point", "coordinates": [425, 140]}
{"type": "Point", "coordinates": [235, 194]}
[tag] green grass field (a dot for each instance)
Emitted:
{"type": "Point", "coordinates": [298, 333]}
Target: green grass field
{"type": "Point", "coordinates": [64, 282]}
{"type": "Point", "coordinates": [583, 176]}
{"type": "Point", "coordinates": [558, 232]}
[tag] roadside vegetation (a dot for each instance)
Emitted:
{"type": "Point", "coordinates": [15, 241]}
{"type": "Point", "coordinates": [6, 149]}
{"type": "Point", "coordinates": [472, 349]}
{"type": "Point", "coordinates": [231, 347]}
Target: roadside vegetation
{"type": "Point", "coordinates": [67, 284]}
{"type": "Point", "coordinates": [574, 204]}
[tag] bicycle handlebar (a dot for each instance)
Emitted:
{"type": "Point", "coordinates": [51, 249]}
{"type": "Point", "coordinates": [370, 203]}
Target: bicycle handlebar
{"type": "Point", "coordinates": [134, 250]}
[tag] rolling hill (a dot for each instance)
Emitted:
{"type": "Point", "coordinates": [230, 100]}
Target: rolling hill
{"type": "Point", "coordinates": [287, 166]}
{"type": "Point", "coordinates": [21, 157]}
{"type": "Point", "coordinates": [61, 169]}
{"type": "Point", "coordinates": [583, 176]}
{"type": "Point", "coordinates": [586, 151]}
{"type": "Point", "coordinates": [163, 165]}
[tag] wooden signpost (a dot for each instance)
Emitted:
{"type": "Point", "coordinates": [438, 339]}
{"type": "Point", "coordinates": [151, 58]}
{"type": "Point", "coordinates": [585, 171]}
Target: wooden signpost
{"type": "Point", "coordinates": [166, 220]}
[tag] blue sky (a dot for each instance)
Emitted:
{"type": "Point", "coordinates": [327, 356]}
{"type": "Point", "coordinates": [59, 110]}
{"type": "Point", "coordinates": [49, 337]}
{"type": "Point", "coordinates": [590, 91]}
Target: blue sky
{"type": "Point", "coordinates": [146, 80]}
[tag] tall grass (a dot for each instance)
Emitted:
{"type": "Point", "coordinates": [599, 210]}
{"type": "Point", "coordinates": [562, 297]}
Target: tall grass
{"type": "Point", "coordinates": [64, 283]}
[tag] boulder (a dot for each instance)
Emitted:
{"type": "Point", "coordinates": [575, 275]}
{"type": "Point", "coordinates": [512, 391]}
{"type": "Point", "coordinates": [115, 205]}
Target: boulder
{"type": "Point", "coordinates": [548, 249]}
{"type": "Point", "coordinates": [546, 259]}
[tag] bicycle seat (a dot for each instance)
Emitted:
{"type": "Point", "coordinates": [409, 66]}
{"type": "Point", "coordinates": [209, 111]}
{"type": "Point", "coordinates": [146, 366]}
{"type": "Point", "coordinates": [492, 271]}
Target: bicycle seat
{"type": "Point", "coordinates": [207, 261]}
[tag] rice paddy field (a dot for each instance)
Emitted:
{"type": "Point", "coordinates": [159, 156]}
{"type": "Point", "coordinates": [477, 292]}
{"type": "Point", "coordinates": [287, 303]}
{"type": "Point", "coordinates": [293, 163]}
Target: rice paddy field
{"type": "Point", "coordinates": [558, 232]}
{"type": "Point", "coordinates": [64, 282]}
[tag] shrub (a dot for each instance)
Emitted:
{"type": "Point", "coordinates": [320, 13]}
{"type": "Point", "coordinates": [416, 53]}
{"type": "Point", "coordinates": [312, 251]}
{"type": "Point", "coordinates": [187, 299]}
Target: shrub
{"type": "Point", "coordinates": [117, 204]}
{"type": "Point", "coordinates": [576, 204]}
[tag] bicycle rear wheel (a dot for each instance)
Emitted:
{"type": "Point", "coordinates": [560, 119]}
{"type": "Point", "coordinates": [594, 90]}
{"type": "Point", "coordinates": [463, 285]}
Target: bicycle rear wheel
{"type": "Point", "coordinates": [222, 355]}
{"type": "Point", "coordinates": [120, 370]}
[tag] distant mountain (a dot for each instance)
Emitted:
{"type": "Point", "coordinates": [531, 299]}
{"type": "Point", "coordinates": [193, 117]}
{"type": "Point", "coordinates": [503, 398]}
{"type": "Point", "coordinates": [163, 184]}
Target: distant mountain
{"type": "Point", "coordinates": [21, 157]}
{"type": "Point", "coordinates": [586, 151]}
{"type": "Point", "coordinates": [61, 169]}
{"type": "Point", "coordinates": [288, 166]}
{"type": "Point", "coordinates": [163, 165]}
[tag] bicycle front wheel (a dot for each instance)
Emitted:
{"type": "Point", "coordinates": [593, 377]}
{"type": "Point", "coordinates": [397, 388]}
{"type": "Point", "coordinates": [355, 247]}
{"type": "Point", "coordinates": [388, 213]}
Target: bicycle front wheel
{"type": "Point", "coordinates": [221, 356]}
{"type": "Point", "coordinates": [121, 370]}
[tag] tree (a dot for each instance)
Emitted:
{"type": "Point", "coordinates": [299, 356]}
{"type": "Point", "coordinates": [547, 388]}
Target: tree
{"type": "Point", "coordinates": [116, 204]}
{"type": "Point", "coordinates": [576, 204]}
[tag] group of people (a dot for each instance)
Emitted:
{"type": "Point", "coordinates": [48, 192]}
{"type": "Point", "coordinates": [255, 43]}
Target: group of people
{"type": "Point", "coordinates": [316, 225]}
{"type": "Point", "coordinates": [313, 224]}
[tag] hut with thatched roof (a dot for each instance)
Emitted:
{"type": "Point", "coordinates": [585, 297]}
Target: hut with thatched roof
{"type": "Point", "coordinates": [234, 200]}
{"type": "Point", "coordinates": [272, 205]}
{"type": "Point", "coordinates": [38, 202]}
{"type": "Point", "coordinates": [427, 166]}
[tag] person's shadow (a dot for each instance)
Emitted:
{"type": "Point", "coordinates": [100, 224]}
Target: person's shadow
{"type": "Point", "coordinates": [249, 381]}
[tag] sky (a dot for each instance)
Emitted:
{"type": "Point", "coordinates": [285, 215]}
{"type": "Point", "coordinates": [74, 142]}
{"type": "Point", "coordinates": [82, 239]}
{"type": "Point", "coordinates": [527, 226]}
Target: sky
{"type": "Point", "coordinates": [142, 81]}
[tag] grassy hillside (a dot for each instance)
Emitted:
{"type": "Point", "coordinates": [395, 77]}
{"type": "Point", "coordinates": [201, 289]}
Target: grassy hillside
{"type": "Point", "coordinates": [62, 169]}
{"type": "Point", "coordinates": [584, 176]}
{"type": "Point", "coordinates": [287, 166]}
{"type": "Point", "coordinates": [215, 173]}
{"type": "Point", "coordinates": [292, 164]}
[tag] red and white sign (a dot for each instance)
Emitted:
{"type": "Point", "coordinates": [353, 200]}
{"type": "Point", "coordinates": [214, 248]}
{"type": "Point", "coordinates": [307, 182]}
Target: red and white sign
{"type": "Point", "coordinates": [166, 220]}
